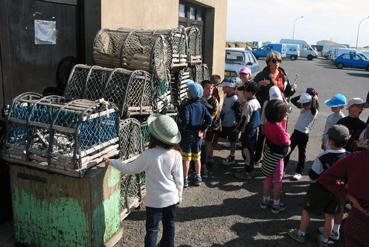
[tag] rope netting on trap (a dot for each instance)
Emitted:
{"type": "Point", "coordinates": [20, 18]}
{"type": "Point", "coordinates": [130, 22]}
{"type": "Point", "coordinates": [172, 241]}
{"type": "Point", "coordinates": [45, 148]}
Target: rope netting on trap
{"type": "Point", "coordinates": [61, 135]}
{"type": "Point", "coordinates": [133, 50]}
{"type": "Point", "coordinates": [194, 45]}
{"type": "Point", "coordinates": [179, 81]}
{"type": "Point", "coordinates": [130, 91]}
{"type": "Point", "coordinates": [200, 72]}
{"type": "Point", "coordinates": [130, 146]}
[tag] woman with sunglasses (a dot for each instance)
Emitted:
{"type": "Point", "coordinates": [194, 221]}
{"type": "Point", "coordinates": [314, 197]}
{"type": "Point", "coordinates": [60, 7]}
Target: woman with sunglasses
{"type": "Point", "coordinates": [271, 75]}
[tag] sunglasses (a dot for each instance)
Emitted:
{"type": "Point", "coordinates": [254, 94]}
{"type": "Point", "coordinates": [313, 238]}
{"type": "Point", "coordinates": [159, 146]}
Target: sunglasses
{"type": "Point", "coordinates": [276, 60]}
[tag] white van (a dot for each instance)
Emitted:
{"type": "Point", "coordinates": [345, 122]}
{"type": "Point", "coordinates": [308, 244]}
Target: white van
{"type": "Point", "coordinates": [338, 51]}
{"type": "Point", "coordinates": [305, 49]}
{"type": "Point", "coordinates": [331, 47]}
{"type": "Point", "coordinates": [293, 51]}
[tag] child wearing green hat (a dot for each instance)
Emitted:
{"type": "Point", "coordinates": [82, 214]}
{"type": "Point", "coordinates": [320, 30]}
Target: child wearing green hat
{"type": "Point", "coordinates": [162, 164]}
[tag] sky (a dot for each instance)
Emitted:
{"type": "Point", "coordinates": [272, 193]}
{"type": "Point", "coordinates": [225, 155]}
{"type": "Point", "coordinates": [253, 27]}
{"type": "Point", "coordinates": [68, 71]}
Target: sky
{"type": "Point", "coordinates": [271, 20]}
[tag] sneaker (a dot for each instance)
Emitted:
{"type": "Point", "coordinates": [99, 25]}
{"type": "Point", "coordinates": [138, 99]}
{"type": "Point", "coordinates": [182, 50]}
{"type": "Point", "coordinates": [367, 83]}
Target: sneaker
{"type": "Point", "coordinates": [185, 183]}
{"type": "Point", "coordinates": [334, 235]}
{"type": "Point", "coordinates": [197, 181]}
{"type": "Point", "coordinates": [266, 204]}
{"type": "Point", "coordinates": [325, 243]}
{"type": "Point", "coordinates": [243, 175]}
{"type": "Point", "coordinates": [230, 160]}
{"type": "Point", "coordinates": [294, 234]}
{"type": "Point", "coordinates": [278, 208]}
{"type": "Point", "coordinates": [297, 176]}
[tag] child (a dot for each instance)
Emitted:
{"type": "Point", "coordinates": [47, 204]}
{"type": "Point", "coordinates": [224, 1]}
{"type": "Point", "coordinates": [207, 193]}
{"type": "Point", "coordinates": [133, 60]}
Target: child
{"type": "Point", "coordinates": [318, 199]}
{"type": "Point", "coordinates": [249, 123]}
{"type": "Point", "coordinates": [353, 122]}
{"type": "Point", "coordinates": [245, 77]}
{"type": "Point", "coordinates": [211, 137]}
{"type": "Point", "coordinates": [276, 146]}
{"type": "Point", "coordinates": [230, 116]}
{"type": "Point", "coordinates": [355, 168]}
{"type": "Point", "coordinates": [300, 135]}
{"type": "Point", "coordinates": [164, 177]}
{"type": "Point", "coordinates": [195, 119]}
{"type": "Point", "coordinates": [336, 103]}
{"type": "Point", "coordinates": [216, 80]}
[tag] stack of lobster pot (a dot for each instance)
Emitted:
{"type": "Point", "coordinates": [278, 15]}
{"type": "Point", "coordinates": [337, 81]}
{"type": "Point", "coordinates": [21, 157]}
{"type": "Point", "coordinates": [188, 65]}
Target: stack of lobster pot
{"type": "Point", "coordinates": [200, 72]}
{"type": "Point", "coordinates": [63, 136]}
{"type": "Point", "coordinates": [130, 91]}
{"type": "Point", "coordinates": [180, 78]}
{"type": "Point", "coordinates": [194, 50]}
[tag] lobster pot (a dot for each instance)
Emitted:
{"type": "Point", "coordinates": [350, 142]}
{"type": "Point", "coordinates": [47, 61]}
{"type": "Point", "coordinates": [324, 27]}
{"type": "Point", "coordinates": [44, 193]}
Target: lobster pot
{"type": "Point", "coordinates": [130, 146]}
{"type": "Point", "coordinates": [180, 78]}
{"type": "Point", "coordinates": [130, 193]}
{"type": "Point", "coordinates": [17, 131]}
{"type": "Point", "coordinates": [61, 136]}
{"type": "Point", "coordinates": [130, 139]}
{"type": "Point", "coordinates": [107, 48]}
{"type": "Point", "coordinates": [200, 72]}
{"type": "Point", "coordinates": [194, 45]}
{"type": "Point", "coordinates": [177, 40]}
{"type": "Point", "coordinates": [133, 50]}
{"type": "Point", "coordinates": [163, 97]}
{"type": "Point", "coordinates": [130, 91]}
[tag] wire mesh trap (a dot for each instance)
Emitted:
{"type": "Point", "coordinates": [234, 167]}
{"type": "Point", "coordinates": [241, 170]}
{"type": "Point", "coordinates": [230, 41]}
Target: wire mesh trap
{"type": "Point", "coordinates": [64, 136]}
{"type": "Point", "coordinates": [133, 50]}
{"type": "Point", "coordinates": [179, 81]}
{"type": "Point", "coordinates": [130, 139]}
{"type": "Point", "coordinates": [130, 146]}
{"type": "Point", "coordinates": [130, 192]}
{"type": "Point", "coordinates": [200, 72]}
{"type": "Point", "coordinates": [194, 45]}
{"type": "Point", "coordinates": [130, 91]}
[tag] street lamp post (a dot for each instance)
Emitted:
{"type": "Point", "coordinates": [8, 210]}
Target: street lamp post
{"type": "Point", "coordinates": [294, 25]}
{"type": "Point", "coordinates": [358, 30]}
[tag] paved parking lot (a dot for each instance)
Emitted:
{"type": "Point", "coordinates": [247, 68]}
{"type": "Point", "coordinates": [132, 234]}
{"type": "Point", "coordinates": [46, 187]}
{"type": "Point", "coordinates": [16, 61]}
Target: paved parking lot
{"type": "Point", "coordinates": [225, 211]}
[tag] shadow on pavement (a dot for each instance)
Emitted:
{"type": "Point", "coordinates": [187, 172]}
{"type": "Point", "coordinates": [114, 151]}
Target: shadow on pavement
{"type": "Point", "coordinates": [366, 75]}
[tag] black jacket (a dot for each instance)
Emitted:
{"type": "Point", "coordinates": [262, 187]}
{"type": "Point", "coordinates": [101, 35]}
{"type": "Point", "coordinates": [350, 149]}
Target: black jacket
{"type": "Point", "coordinates": [263, 94]}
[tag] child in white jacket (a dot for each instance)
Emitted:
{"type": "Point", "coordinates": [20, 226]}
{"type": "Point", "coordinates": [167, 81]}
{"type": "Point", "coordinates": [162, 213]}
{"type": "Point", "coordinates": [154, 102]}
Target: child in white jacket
{"type": "Point", "coordinates": [162, 165]}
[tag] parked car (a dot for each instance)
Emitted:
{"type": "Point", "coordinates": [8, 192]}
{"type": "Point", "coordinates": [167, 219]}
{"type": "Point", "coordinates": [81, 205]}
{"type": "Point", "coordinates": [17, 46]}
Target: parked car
{"type": "Point", "coordinates": [236, 58]}
{"type": "Point", "coordinates": [266, 49]}
{"type": "Point", "coordinates": [352, 60]}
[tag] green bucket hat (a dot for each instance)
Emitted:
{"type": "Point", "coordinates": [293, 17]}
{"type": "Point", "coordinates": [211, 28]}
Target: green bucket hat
{"type": "Point", "coordinates": [164, 128]}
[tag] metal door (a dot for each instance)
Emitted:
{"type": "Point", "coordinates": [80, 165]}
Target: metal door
{"type": "Point", "coordinates": [33, 51]}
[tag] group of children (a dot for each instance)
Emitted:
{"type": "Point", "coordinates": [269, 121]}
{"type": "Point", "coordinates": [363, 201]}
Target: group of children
{"type": "Point", "coordinates": [201, 120]}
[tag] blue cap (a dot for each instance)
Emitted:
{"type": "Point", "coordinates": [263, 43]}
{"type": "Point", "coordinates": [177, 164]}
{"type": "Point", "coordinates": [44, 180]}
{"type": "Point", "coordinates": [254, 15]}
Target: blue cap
{"type": "Point", "coordinates": [336, 101]}
{"type": "Point", "coordinates": [228, 82]}
{"type": "Point", "coordinates": [195, 89]}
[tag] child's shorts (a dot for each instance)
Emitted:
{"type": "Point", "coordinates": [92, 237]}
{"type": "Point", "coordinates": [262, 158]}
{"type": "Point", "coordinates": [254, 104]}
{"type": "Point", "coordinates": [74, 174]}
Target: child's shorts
{"type": "Point", "coordinates": [229, 133]}
{"type": "Point", "coordinates": [191, 147]}
{"type": "Point", "coordinates": [319, 200]}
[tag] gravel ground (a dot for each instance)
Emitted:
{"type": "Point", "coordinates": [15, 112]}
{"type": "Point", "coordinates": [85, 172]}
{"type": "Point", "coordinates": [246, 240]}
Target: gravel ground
{"type": "Point", "coordinates": [225, 211]}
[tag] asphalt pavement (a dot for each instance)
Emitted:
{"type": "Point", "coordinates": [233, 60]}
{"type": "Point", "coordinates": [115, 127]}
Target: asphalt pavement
{"type": "Point", "coordinates": [225, 211]}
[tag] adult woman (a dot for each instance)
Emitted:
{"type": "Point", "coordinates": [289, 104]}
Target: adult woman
{"type": "Point", "coordinates": [271, 75]}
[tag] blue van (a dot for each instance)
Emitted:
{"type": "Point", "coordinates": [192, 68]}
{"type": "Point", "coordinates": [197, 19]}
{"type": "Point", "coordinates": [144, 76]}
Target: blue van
{"type": "Point", "coordinates": [264, 51]}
